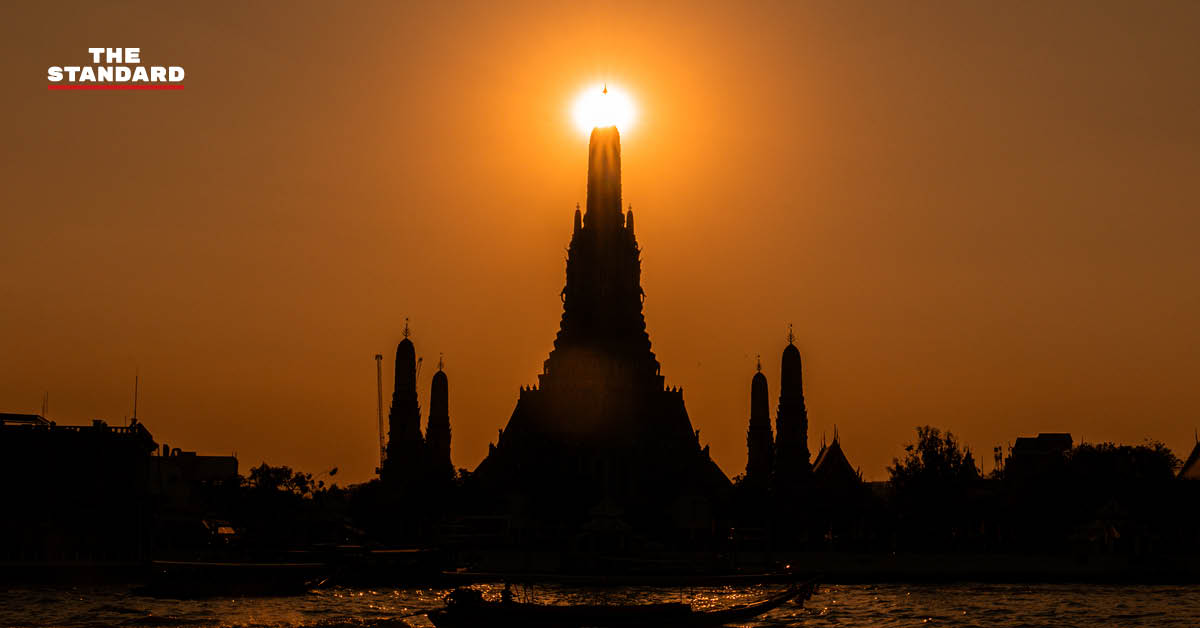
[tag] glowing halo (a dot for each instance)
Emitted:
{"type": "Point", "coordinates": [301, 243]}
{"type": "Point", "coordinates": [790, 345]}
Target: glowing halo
{"type": "Point", "coordinates": [604, 105]}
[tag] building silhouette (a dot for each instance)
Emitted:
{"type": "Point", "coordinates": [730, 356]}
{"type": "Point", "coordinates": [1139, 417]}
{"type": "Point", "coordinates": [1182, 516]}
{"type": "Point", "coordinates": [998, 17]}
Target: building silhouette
{"type": "Point", "coordinates": [439, 469]}
{"type": "Point", "coordinates": [76, 492]}
{"type": "Point", "coordinates": [1034, 457]}
{"type": "Point", "coordinates": [404, 463]}
{"type": "Point", "coordinates": [760, 445]}
{"type": "Point", "coordinates": [792, 462]}
{"type": "Point", "coordinates": [417, 462]}
{"type": "Point", "coordinates": [601, 437]}
{"type": "Point", "coordinates": [96, 494]}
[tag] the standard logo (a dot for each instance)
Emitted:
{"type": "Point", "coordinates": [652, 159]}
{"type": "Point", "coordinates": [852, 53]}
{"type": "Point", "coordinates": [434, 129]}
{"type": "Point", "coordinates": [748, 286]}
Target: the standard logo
{"type": "Point", "coordinates": [123, 69]}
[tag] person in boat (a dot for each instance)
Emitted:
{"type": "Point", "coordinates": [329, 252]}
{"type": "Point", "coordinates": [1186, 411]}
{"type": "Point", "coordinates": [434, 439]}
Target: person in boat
{"type": "Point", "coordinates": [506, 596]}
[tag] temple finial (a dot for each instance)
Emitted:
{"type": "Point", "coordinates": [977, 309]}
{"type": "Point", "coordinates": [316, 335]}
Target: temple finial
{"type": "Point", "coordinates": [441, 361]}
{"type": "Point", "coordinates": [758, 358]}
{"type": "Point", "coordinates": [407, 332]}
{"type": "Point", "coordinates": [791, 337]}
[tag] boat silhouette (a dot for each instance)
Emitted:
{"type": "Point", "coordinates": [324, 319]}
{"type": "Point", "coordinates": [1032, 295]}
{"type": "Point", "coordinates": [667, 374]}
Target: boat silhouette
{"type": "Point", "coordinates": [466, 608]}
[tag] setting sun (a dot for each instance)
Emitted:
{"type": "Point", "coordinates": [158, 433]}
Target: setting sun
{"type": "Point", "coordinates": [604, 105]}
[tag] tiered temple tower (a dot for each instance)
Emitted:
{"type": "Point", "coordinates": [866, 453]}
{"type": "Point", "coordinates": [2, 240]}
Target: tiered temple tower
{"type": "Point", "coordinates": [600, 426]}
{"type": "Point", "coordinates": [440, 470]}
{"type": "Point", "coordinates": [760, 444]}
{"type": "Point", "coordinates": [405, 447]}
{"type": "Point", "coordinates": [792, 462]}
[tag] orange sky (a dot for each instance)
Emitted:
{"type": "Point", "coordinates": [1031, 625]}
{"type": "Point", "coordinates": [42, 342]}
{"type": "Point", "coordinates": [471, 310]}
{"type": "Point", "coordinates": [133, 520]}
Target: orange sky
{"type": "Point", "coordinates": [981, 216]}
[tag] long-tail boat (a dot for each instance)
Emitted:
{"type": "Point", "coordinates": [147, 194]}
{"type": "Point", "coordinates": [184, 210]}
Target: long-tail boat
{"type": "Point", "coordinates": [466, 608]}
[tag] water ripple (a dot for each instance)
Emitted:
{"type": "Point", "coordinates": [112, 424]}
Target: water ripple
{"type": "Point", "coordinates": [845, 606]}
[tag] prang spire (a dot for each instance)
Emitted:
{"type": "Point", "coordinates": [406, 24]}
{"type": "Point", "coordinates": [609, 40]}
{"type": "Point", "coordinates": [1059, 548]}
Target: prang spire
{"type": "Point", "coordinates": [405, 447]}
{"type": "Point", "coordinates": [601, 426]}
{"type": "Point", "coordinates": [759, 441]}
{"type": "Point", "coordinates": [604, 179]}
{"type": "Point", "coordinates": [603, 329]}
{"type": "Point", "coordinates": [437, 430]}
{"type": "Point", "coordinates": [792, 461]}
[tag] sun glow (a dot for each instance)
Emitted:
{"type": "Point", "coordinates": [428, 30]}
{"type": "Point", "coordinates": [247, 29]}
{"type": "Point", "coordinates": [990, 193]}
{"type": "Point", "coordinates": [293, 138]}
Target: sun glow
{"type": "Point", "coordinates": [604, 105]}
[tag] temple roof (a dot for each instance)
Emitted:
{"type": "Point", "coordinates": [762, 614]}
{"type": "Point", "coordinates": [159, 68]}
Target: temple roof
{"type": "Point", "coordinates": [832, 464]}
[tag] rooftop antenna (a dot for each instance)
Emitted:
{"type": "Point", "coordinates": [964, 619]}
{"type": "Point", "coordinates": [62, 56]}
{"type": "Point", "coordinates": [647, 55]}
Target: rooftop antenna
{"type": "Point", "coordinates": [45, 404]}
{"type": "Point", "coordinates": [379, 390]}
{"type": "Point", "coordinates": [791, 337]}
{"type": "Point", "coordinates": [135, 394]}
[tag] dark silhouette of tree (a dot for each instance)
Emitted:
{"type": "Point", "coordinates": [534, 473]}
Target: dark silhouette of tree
{"type": "Point", "coordinates": [935, 459]}
{"type": "Point", "coordinates": [267, 478]}
{"type": "Point", "coordinates": [932, 487]}
{"type": "Point", "coordinates": [1109, 463]}
{"type": "Point", "coordinates": [279, 507]}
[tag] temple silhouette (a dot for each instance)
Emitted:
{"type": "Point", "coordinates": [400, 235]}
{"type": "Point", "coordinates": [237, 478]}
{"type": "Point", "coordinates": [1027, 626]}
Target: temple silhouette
{"type": "Point", "coordinates": [779, 462]}
{"type": "Point", "coordinates": [760, 443]}
{"type": "Point", "coordinates": [416, 463]}
{"type": "Point", "coordinates": [599, 470]}
{"type": "Point", "coordinates": [600, 454]}
{"type": "Point", "coordinates": [792, 463]}
{"type": "Point", "coordinates": [601, 438]}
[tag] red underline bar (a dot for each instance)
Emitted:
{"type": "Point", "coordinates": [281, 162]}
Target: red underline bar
{"type": "Point", "coordinates": [111, 87]}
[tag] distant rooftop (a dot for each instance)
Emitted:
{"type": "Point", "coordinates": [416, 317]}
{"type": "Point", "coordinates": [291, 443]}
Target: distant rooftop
{"type": "Point", "coordinates": [1044, 443]}
{"type": "Point", "coordinates": [37, 422]}
{"type": "Point", "coordinates": [12, 418]}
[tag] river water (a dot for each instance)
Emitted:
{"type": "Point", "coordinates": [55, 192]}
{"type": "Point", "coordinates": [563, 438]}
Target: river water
{"type": "Point", "coordinates": [848, 606]}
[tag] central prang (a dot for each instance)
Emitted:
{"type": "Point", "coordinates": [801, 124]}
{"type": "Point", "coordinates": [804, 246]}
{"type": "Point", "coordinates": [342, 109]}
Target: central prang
{"type": "Point", "coordinates": [600, 427]}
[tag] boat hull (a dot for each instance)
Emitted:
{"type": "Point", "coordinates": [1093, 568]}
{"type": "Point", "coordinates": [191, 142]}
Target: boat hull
{"type": "Point", "coordinates": [492, 614]}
